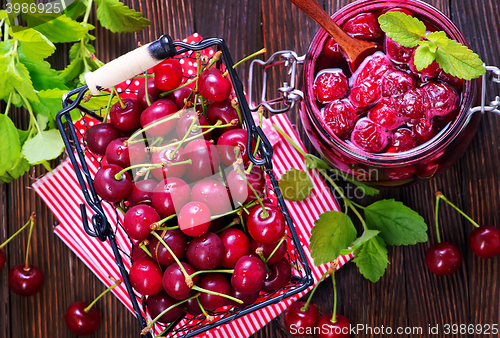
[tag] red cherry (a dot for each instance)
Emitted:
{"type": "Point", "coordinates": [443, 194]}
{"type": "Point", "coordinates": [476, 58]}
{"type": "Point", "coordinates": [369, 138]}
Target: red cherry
{"type": "Point", "coordinates": [176, 241]}
{"type": "Point", "coordinates": [158, 303]}
{"type": "Point", "coordinates": [174, 281]}
{"type": "Point", "coordinates": [146, 276]}
{"type": "Point", "coordinates": [329, 85]}
{"type": "Point", "coordinates": [372, 68]}
{"type": "Point", "coordinates": [340, 116]}
{"type": "Point", "coordinates": [153, 93]}
{"type": "Point", "coordinates": [397, 52]}
{"type": "Point", "coordinates": [79, 321]}
{"type": "Point", "coordinates": [185, 123]}
{"type": "Point", "coordinates": [299, 322]}
{"type": "Point", "coordinates": [205, 159]}
{"type": "Point", "coordinates": [168, 74]}
{"type": "Point", "coordinates": [167, 158]}
{"type": "Point", "coordinates": [170, 195]}
{"type": "Point", "coordinates": [340, 329]}
{"type": "Point", "coordinates": [249, 274]}
{"type": "Point", "coordinates": [454, 81]}
{"type": "Point", "coordinates": [413, 104]}
{"type": "Point", "coordinates": [217, 283]}
{"type": "Point", "coordinates": [424, 130]}
{"type": "Point", "coordinates": [332, 50]}
{"type": "Point", "coordinates": [428, 72]}
{"type": "Point", "coordinates": [266, 230]}
{"type": "Point", "coordinates": [403, 140]}
{"type": "Point", "coordinates": [212, 85]}
{"type": "Point", "coordinates": [179, 95]}
{"type": "Point", "coordinates": [26, 282]}
{"type": "Point", "coordinates": [138, 220]}
{"type": "Point", "coordinates": [141, 192]}
{"type": "Point", "coordinates": [402, 10]}
{"type": "Point", "coordinates": [365, 94]}
{"type": "Point", "coordinates": [385, 116]}
{"type": "Point", "coordinates": [3, 259]}
{"type": "Point", "coordinates": [485, 241]}
{"type": "Point", "coordinates": [205, 252]}
{"type": "Point", "coordinates": [396, 83]}
{"type": "Point", "coordinates": [236, 245]}
{"type": "Point", "coordinates": [232, 143]}
{"type": "Point", "coordinates": [159, 110]}
{"type": "Point", "coordinates": [238, 187]}
{"type": "Point", "coordinates": [278, 276]}
{"type": "Point", "coordinates": [213, 194]}
{"type": "Point", "coordinates": [108, 187]}
{"type": "Point", "coordinates": [117, 152]}
{"type": "Point", "coordinates": [267, 250]}
{"type": "Point", "coordinates": [443, 258]}
{"type": "Point", "coordinates": [363, 26]}
{"type": "Point", "coordinates": [369, 136]}
{"type": "Point", "coordinates": [137, 253]}
{"type": "Point", "coordinates": [246, 298]}
{"type": "Point", "coordinates": [128, 118]}
{"type": "Point", "coordinates": [194, 219]}
{"type": "Point", "coordinates": [99, 136]}
{"type": "Point", "coordinates": [223, 111]}
{"type": "Point", "coordinates": [193, 308]}
{"type": "Point", "coordinates": [442, 99]}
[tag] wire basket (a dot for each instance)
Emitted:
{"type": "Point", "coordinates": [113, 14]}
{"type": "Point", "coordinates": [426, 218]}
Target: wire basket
{"type": "Point", "coordinates": [101, 227]}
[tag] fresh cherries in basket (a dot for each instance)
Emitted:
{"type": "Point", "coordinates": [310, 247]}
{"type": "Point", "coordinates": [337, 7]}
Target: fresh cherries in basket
{"type": "Point", "coordinates": [205, 235]}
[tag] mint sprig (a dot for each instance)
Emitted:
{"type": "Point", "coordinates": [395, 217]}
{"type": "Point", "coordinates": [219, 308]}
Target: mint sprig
{"type": "Point", "coordinates": [453, 57]}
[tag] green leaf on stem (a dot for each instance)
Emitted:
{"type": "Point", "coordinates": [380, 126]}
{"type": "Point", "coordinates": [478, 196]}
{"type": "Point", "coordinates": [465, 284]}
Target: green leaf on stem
{"type": "Point", "coordinates": [332, 232]}
{"type": "Point", "coordinates": [365, 237]}
{"type": "Point", "coordinates": [458, 60]}
{"type": "Point", "coordinates": [50, 102]}
{"type": "Point", "coordinates": [372, 259]}
{"type": "Point", "coordinates": [404, 29]}
{"type": "Point", "coordinates": [75, 10]}
{"type": "Point", "coordinates": [398, 224]}
{"type": "Point", "coordinates": [19, 169]}
{"type": "Point", "coordinates": [10, 147]}
{"type": "Point", "coordinates": [423, 57]}
{"type": "Point", "coordinates": [15, 78]}
{"type": "Point", "coordinates": [62, 29]}
{"type": "Point", "coordinates": [34, 44]}
{"type": "Point", "coordinates": [117, 17]}
{"type": "Point", "coordinates": [46, 145]}
{"type": "Point", "coordinates": [295, 185]}
{"type": "Point", "coordinates": [42, 76]}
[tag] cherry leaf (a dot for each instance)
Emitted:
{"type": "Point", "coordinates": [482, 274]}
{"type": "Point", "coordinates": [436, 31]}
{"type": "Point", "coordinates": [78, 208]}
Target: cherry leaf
{"type": "Point", "coordinates": [295, 185]}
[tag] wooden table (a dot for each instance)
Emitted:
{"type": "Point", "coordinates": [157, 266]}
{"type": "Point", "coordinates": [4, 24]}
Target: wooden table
{"type": "Point", "coordinates": [407, 296]}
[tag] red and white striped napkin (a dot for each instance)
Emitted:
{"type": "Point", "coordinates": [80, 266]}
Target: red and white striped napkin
{"type": "Point", "coordinates": [61, 192]}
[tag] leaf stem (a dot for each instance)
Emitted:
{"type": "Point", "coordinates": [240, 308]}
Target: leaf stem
{"type": "Point", "coordinates": [334, 313]}
{"type": "Point", "coordinates": [87, 11]}
{"type": "Point", "coordinates": [87, 309]}
{"type": "Point", "coordinates": [441, 196]}
{"type": "Point", "coordinates": [306, 305]}
{"type": "Point", "coordinates": [32, 223]}
{"type": "Point", "coordinates": [7, 107]}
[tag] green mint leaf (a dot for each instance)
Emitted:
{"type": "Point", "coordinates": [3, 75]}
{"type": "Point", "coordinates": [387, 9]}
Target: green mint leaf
{"type": "Point", "coordinates": [75, 10]}
{"type": "Point", "coordinates": [295, 185]}
{"type": "Point", "coordinates": [423, 57]}
{"type": "Point", "coordinates": [15, 78]}
{"type": "Point", "coordinates": [42, 76]}
{"type": "Point", "coordinates": [332, 232]}
{"type": "Point", "coordinates": [438, 37]}
{"type": "Point", "coordinates": [365, 237]}
{"type": "Point", "coordinates": [398, 224]}
{"type": "Point", "coordinates": [19, 169]}
{"type": "Point", "coordinates": [10, 147]}
{"type": "Point", "coordinates": [72, 71]}
{"type": "Point", "coordinates": [62, 29]}
{"type": "Point", "coordinates": [46, 145]}
{"type": "Point", "coordinates": [79, 50]}
{"type": "Point", "coordinates": [404, 29]}
{"type": "Point", "coordinates": [50, 102]}
{"type": "Point", "coordinates": [372, 259]}
{"type": "Point", "coordinates": [34, 44]}
{"type": "Point", "coordinates": [3, 14]}
{"type": "Point", "coordinates": [117, 17]}
{"type": "Point", "coordinates": [458, 60]}
{"type": "Point", "coordinates": [99, 102]}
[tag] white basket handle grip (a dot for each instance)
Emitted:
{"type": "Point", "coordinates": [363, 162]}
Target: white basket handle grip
{"type": "Point", "coordinates": [130, 64]}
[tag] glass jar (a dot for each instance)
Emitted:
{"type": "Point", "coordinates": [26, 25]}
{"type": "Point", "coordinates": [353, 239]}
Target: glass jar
{"type": "Point", "coordinates": [420, 163]}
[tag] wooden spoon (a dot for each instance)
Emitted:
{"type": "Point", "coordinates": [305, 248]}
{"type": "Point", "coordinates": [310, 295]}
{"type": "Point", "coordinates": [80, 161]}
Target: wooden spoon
{"type": "Point", "coordinates": [352, 48]}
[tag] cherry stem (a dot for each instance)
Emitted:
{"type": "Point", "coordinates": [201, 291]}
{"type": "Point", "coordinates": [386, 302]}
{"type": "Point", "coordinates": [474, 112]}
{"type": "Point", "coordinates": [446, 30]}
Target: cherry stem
{"type": "Point", "coordinates": [206, 271]}
{"type": "Point", "coordinates": [150, 325]}
{"type": "Point", "coordinates": [87, 309]}
{"type": "Point", "coordinates": [148, 101]}
{"type": "Point", "coordinates": [333, 267]}
{"type": "Point", "coordinates": [184, 272]}
{"type": "Point", "coordinates": [119, 175]}
{"type": "Point", "coordinates": [265, 214]}
{"type": "Point", "coordinates": [197, 288]}
{"type": "Point", "coordinates": [143, 247]}
{"type": "Point", "coordinates": [233, 223]}
{"type": "Point", "coordinates": [250, 204]}
{"type": "Point", "coordinates": [289, 139]}
{"type": "Point", "coordinates": [436, 211]}
{"type": "Point", "coordinates": [306, 305]}
{"type": "Point", "coordinates": [168, 228]}
{"type": "Point", "coordinates": [240, 215]}
{"type": "Point", "coordinates": [32, 223]}
{"type": "Point", "coordinates": [176, 115]}
{"type": "Point", "coordinates": [209, 318]}
{"type": "Point", "coordinates": [195, 118]}
{"type": "Point", "coordinates": [156, 225]}
{"type": "Point", "coordinates": [261, 115]}
{"type": "Point", "coordinates": [259, 52]}
{"type": "Point", "coordinates": [15, 234]}
{"type": "Point", "coordinates": [275, 249]}
{"type": "Point", "coordinates": [236, 106]}
{"type": "Point", "coordinates": [440, 195]}
{"type": "Point", "coordinates": [122, 105]}
{"type": "Point", "coordinates": [165, 331]}
{"type": "Point", "coordinates": [108, 107]}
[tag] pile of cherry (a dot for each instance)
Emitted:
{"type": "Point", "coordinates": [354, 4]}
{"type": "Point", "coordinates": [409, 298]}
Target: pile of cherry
{"type": "Point", "coordinates": [387, 105]}
{"type": "Point", "coordinates": [176, 162]}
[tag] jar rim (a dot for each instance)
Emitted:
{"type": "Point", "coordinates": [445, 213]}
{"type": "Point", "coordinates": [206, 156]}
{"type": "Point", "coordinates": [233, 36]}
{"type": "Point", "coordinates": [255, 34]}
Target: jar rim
{"type": "Point", "coordinates": [438, 142]}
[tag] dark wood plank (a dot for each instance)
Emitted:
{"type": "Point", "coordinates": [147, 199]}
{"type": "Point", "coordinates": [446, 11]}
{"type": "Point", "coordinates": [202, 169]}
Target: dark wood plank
{"type": "Point", "coordinates": [5, 329]}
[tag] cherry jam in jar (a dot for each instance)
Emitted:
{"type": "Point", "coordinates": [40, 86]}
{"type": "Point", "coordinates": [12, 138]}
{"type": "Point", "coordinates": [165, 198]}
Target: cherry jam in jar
{"type": "Point", "coordinates": [387, 122]}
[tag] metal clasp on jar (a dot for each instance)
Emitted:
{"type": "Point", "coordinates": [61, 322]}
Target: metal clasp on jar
{"type": "Point", "coordinates": [492, 74]}
{"type": "Point", "coordinates": [289, 94]}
